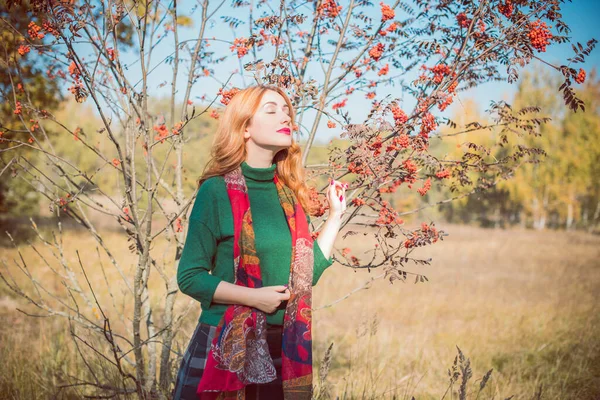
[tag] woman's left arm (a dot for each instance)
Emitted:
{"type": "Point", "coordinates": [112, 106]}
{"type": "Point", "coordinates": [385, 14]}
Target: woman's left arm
{"type": "Point", "coordinates": [328, 233]}
{"type": "Point", "coordinates": [336, 195]}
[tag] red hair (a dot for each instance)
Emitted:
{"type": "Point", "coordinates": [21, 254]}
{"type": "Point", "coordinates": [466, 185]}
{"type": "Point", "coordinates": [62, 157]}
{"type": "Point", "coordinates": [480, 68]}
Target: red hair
{"type": "Point", "coordinates": [229, 147]}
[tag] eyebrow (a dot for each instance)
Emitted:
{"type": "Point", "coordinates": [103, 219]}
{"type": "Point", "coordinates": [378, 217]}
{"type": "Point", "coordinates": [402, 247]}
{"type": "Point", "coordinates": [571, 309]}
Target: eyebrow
{"type": "Point", "coordinates": [272, 102]}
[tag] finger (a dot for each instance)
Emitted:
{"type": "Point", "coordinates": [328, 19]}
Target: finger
{"type": "Point", "coordinates": [333, 189]}
{"type": "Point", "coordinates": [335, 184]}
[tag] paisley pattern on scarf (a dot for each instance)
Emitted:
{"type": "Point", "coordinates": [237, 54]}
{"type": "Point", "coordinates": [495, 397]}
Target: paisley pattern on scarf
{"type": "Point", "coordinates": [239, 354]}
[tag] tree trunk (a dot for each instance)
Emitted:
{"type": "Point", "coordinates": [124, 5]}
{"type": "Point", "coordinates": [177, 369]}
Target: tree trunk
{"type": "Point", "coordinates": [569, 215]}
{"type": "Point", "coordinates": [593, 223]}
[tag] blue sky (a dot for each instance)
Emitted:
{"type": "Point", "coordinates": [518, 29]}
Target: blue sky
{"type": "Point", "coordinates": [581, 16]}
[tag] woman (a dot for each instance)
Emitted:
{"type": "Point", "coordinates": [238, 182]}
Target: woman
{"type": "Point", "coordinates": [248, 226]}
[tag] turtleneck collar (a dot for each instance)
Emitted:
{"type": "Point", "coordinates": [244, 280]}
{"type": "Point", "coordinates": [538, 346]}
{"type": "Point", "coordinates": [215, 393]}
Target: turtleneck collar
{"type": "Point", "coordinates": [258, 174]}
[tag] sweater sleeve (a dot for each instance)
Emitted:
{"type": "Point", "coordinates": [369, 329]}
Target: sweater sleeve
{"type": "Point", "coordinates": [320, 262]}
{"type": "Point", "coordinates": [193, 277]}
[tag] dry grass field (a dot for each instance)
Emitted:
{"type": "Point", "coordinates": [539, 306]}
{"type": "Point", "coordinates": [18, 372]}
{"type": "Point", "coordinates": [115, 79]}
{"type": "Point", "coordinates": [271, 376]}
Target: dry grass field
{"type": "Point", "coordinates": [521, 302]}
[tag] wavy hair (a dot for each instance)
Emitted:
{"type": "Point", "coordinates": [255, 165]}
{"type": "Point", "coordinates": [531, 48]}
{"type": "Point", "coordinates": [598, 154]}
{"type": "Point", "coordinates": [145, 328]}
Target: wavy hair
{"type": "Point", "coordinates": [228, 149]}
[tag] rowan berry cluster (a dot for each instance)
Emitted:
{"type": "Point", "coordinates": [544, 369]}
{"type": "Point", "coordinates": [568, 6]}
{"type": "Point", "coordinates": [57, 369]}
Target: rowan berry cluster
{"type": "Point", "coordinates": [384, 70]}
{"type": "Point", "coordinates": [63, 201]}
{"type": "Point", "coordinates": [111, 53]}
{"type": "Point", "coordinates": [426, 186]}
{"type": "Point", "coordinates": [177, 128]}
{"type": "Point", "coordinates": [241, 46]}
{"type": "Point", "coordinates": [76, 133]}
{"type": "Point", "coordinates": [48, 27]}
{"type": "Point", "coordinates": [162, 131]}
{"type": "Point", "coordinates": [539, 35]}
{"type": "Point", "coordinates": [428, 124]}
{"type": "Point", "coordinates": [317, 206]}
{"type": "Point", "coordinates": [447, 100]}
{"type": "Point", "coordinates": [23, 49]}
{"type": "Point", "coordinates": [462, 20]}
{"type": "Point", "coordinates": [359, 168]}
{"type": "Point", "coordinates": [442, 174]}
{"type": "Point", "coordinates": [178, 225]}
{"type": "Point", "coordinates": [74, 70]}
{"type": "Point", "coordinates": [411, 173]}
{"type": "Point", "coordinates": [329, 8]}
{"type": "Point", "coordinates": [439, 71]}
{"type": "Point", "coordinates": [358, 201]}
{"type": "Point", "coordinates": [127, 216]}
{"type": "Point", "coordinates": [78, 88]}
{"type": "Point", "coordinates": [340, 104]}
{"type": "Point", "coordinates": [387, 215]}
{"type": "Point", "coordinates": [227, 95]}
{"type": "Point", "coordinates": [34, 31]}
{"type": "Point", "coordinates": [506, 8]}
{"type": "Point", "coordinates": [387, 12]}
{"type": "Point", "coordinates": [375, 146]}
{"type": "Point", "coordinates": [420, 237]}
{"type": "Point", "coordinates": [409, 166]}
{"type": "Point", "coordinates": [398, 143]}
{"type": "Point", "coordinates": [377, 51]}
{"type": "Point", "coordinates": [35, 125]}
{"type": "Point", "coordinates": [580, 78]}
{"type": "Point", "coordinates": [392, 28]}
{"type": "Point", "coordinates": [265, 37]}
{"type": "Point", "coordinates": [400, 116]}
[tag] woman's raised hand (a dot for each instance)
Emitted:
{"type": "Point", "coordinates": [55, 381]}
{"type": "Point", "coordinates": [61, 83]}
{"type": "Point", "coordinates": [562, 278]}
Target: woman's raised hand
{"type": "Point", "coordinates": [336, 196]}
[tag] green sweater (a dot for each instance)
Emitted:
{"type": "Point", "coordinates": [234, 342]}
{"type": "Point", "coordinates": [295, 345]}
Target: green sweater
{"type": "Point", "coordinates": [209, 242]}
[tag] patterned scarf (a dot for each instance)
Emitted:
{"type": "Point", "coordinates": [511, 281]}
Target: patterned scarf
{"type": "Point", "coordinates": [239, 353]}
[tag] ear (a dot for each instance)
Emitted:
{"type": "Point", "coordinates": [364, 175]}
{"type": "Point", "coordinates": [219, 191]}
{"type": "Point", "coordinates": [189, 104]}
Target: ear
{"type": "Point", "coordinates": [246, 134]}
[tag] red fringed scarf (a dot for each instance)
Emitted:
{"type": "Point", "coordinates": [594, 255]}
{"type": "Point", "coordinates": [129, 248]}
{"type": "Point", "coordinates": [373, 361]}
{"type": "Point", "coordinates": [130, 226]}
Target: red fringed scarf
{"type": "Point", "coordinates": [239, 354]}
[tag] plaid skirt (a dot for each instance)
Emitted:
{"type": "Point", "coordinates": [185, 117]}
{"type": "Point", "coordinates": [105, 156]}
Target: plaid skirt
{"type": "Point", "coordinates": [194, 361]}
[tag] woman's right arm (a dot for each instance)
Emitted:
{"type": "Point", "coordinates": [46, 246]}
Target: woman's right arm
{"type": "Point", "coordinates": [193, 277]}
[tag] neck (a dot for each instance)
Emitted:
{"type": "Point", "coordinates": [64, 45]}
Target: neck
{"type": "Point", "coordinates": [258, 174]}
{"type": "Point", "coordinates": [266, 163]}
{"type": "Point", "coordinates": [258, 156]}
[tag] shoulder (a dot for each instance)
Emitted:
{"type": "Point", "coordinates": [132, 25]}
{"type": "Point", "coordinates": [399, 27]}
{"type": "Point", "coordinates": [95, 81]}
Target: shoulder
{"type": "Point", "coordinates": [211, 188]}
{"type": "Point", "coordinates": [212, 183]}
{"type": "Point", "coordinates": [208, 199]}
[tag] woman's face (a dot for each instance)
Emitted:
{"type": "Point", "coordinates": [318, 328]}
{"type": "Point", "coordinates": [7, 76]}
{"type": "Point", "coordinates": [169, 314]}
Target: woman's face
{"type": "Point", "coordinates": [270, 127]}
